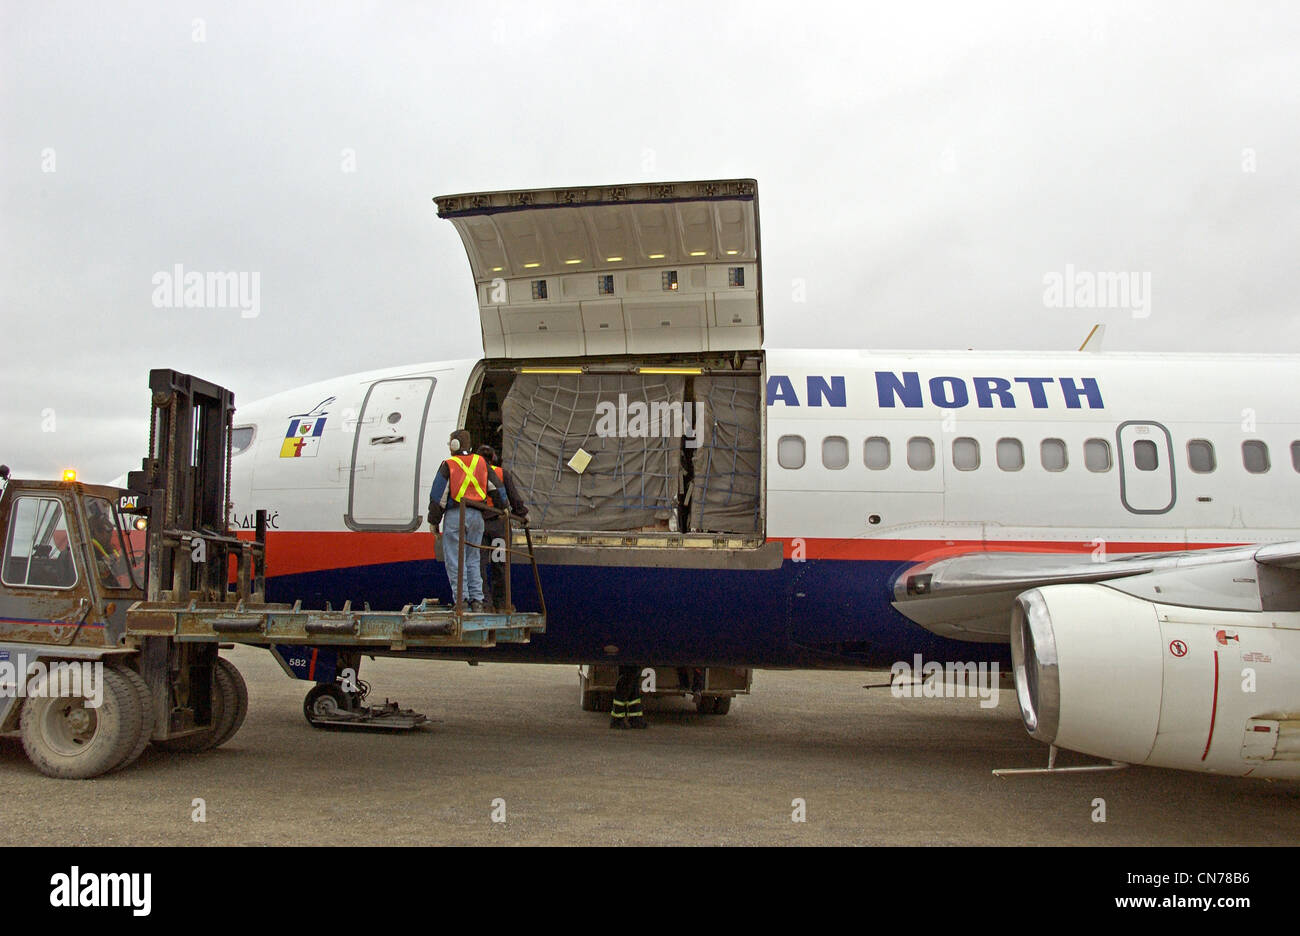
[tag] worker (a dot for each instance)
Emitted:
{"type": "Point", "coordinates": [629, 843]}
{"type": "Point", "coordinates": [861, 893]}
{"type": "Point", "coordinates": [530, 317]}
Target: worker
{"type": "Point", "coordinates": [463, 479]}
{"type": "Point", "coordinates": [495, 559]}
{"type": "Point", "coordinates": [104, 545]}
{"type": "Point", "coordinates": [627, 711]}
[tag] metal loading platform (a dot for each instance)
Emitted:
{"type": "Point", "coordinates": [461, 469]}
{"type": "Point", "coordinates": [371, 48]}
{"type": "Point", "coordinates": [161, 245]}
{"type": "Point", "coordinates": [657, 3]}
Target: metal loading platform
{"type": "Point", "coordinates": [206, 587]}
{"type": "Point", "coordinates": [427, 624]}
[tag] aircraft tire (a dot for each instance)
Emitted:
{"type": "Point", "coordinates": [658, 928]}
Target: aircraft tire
{"type": "Point", "coordinates": [713, 705]}
{"type": "Point", "coordinates": [323, 700]}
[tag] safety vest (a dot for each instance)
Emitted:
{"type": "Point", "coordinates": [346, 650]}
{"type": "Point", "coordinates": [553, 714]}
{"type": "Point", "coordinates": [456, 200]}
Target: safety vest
{"type": "Point", "coordinates": [501, 478]}
{"type": "Point", "coordinates": [467, 481]}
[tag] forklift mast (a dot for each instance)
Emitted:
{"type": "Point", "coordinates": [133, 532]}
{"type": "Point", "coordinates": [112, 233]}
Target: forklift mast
{"type": "Point", "coordinates": [185, 483]}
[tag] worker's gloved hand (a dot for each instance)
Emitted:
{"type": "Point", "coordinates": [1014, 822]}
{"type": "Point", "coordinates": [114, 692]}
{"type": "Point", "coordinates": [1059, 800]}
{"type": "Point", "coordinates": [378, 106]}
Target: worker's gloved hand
{"type": "Point", "coordinates": [520, 511]}
{"type": "Point", "coordinates": [435, 515]}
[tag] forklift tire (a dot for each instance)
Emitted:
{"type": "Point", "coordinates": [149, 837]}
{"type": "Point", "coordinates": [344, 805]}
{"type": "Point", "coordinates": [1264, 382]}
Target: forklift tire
{"type": "Point", "coordinates": [237, 712]}
{"type": "Point", "coordinates": [323, 700]}
{"type": "Point", "coordinates": [65, 738]}
{"type": "Point", "coordinates": [713, 705]}
{"type": "Point", "coordinates": [224, 704]}
{"type": "Point", "coordinates": [145, 698]}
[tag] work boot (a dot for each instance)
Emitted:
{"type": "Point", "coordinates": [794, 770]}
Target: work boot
{"type": "Point", "coordinates": [476, 607]}
{"type": "Point", "coordinates": [637, 721]}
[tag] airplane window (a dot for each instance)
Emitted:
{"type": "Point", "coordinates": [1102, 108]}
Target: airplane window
{"type": "Point", "coordinates": [790, 452]}
{"type": "Point", "coordinates": [965, 454]}
{"type": "Point", "coordinates": [835, 452]}
{"type": "Point", "coordinates": [241, 437]}
{"type": "Point", "coordinates": [1052, 454]}
{"type": "Point", "coordinates": [920, 453]}
{"type": "Point", "coordinates": [1254, 454]}
{"type": "Point", "coordinates": [1295, 455]}
{"type": "Point", "coordinates": [1096, 455]}
{"type": "Point", "coordinates": [1145, 456]}
{"type": "Point", "coordinates": [1200, 456]}
{"type": "Point", "coordinates": [1011, 454]}
{"type": "Point", "coordinates": [876, 453]}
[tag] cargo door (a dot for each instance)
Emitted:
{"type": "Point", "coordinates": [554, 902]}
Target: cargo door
{"type": "Point", "coordinates": [611, 270]}
{"type": "Point", "coordinates": [384, 493]}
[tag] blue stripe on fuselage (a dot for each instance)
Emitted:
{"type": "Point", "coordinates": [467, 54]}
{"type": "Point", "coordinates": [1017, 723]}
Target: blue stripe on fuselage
{"type": "Point", "coordinates": [814, 614]}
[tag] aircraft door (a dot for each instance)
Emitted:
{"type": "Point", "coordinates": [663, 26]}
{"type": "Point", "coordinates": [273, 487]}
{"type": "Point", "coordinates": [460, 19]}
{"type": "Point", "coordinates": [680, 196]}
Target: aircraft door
{"type": "Point", "coordinates": [383, 494]}
{"type": "Point", "coordinates": [1146, 467]}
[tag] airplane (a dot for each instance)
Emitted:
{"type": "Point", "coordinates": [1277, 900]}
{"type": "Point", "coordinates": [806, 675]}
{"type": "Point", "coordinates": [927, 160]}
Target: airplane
{"type": "Point", "coordinates": [1121, 529]}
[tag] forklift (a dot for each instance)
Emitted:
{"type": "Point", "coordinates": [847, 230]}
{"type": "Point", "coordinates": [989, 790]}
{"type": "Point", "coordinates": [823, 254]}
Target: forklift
{"type": "Point", "coordinates": [115, 603]}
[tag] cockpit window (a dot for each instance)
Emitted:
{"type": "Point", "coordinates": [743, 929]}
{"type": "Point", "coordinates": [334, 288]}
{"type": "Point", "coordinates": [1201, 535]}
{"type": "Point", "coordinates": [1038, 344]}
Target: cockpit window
{"type": "Point", "coordinates": [241, 437]}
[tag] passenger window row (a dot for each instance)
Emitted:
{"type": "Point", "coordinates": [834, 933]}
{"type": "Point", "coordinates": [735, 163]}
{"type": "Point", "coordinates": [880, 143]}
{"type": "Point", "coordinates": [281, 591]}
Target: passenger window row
{"type": "Point", "coordinates": [791, 453]}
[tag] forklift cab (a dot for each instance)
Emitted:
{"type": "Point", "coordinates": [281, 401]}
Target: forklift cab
{"type": "Point", "coordinates": [73, 562]}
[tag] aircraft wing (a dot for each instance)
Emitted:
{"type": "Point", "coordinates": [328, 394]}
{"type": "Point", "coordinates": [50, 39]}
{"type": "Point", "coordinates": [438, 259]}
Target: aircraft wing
{"type": "Point", "coordinates": [970, 597]}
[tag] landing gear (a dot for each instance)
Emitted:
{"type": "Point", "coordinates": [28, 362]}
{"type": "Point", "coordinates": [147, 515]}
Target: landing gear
{"type": "Point", "coordinates": [711, 687]}
{"type": "Point", "coordinates": [591, 699]}
{"type": "Point", "coordinates": [713, 704]}
{"type": "Point", "coordinates": [329, 705]}
{"type": "Point", "coordinates": [325, 702]}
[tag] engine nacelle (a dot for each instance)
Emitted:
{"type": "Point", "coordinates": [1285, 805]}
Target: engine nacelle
{"type": "Point", "coordinates": [1118, 677]}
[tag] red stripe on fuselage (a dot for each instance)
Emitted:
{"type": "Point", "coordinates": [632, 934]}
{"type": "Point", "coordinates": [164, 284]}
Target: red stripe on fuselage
{"type": "Point", "coordinates": [293, 553]}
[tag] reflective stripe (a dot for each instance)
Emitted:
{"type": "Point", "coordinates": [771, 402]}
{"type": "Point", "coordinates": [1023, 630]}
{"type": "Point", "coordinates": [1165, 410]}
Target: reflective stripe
{"type": "Point", "coordinates": [469, 475]}
{"type": "Point", "coordinates": [617, 702]}
{"type": "Point", "coordinates": [617, 715]}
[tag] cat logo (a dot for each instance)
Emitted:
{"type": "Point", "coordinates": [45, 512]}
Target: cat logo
{"type": "Point", "coordinates": [129, 502]}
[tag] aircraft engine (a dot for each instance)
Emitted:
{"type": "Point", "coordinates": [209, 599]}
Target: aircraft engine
{"type": "Point", "coordinates": [1119, 677]}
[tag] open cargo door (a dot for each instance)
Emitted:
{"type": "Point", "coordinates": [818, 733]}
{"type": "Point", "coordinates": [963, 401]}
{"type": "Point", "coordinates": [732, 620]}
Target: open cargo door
{"type": "Point", "coordinates": [610, 270]}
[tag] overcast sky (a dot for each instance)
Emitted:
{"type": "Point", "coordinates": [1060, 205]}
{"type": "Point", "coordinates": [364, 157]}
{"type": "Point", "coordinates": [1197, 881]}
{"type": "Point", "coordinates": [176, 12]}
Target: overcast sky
{"type": "Point", "coordinates": [922, 169]}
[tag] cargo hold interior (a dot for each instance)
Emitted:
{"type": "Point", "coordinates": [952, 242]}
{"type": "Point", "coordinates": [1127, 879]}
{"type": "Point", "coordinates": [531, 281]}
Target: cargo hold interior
{"type": "Point", "coordinates": [659, 447]}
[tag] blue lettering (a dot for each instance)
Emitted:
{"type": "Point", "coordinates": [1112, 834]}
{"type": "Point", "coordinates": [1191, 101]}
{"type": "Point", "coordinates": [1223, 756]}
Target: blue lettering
{"type": "Point", "coordinates": [987, 387]}
{"type": "Point", "coordinates": [956, 396]}
{"type": "Point", "coordinates": [833, 393]}
{"type": "Point", "coordinates": [780, 388]}
{"type": "Point", "coordinates": [888, 388]}
{"type": "Point", "coordinates": [1036, 392]}
{"type": "Point", "coordinates": [1071, 392]}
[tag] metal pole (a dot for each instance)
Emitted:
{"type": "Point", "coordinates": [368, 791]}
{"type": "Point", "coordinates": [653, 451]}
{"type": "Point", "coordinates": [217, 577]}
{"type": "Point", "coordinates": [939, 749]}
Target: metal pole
{"type": "Point", "coordinates": [460, 569]}
{"type": "Point", "coordinates": [258, 556]}
{"type": "Point", "coordinates": [505, 566]}
{"type": "Point", "coordinates": [537, 578]}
